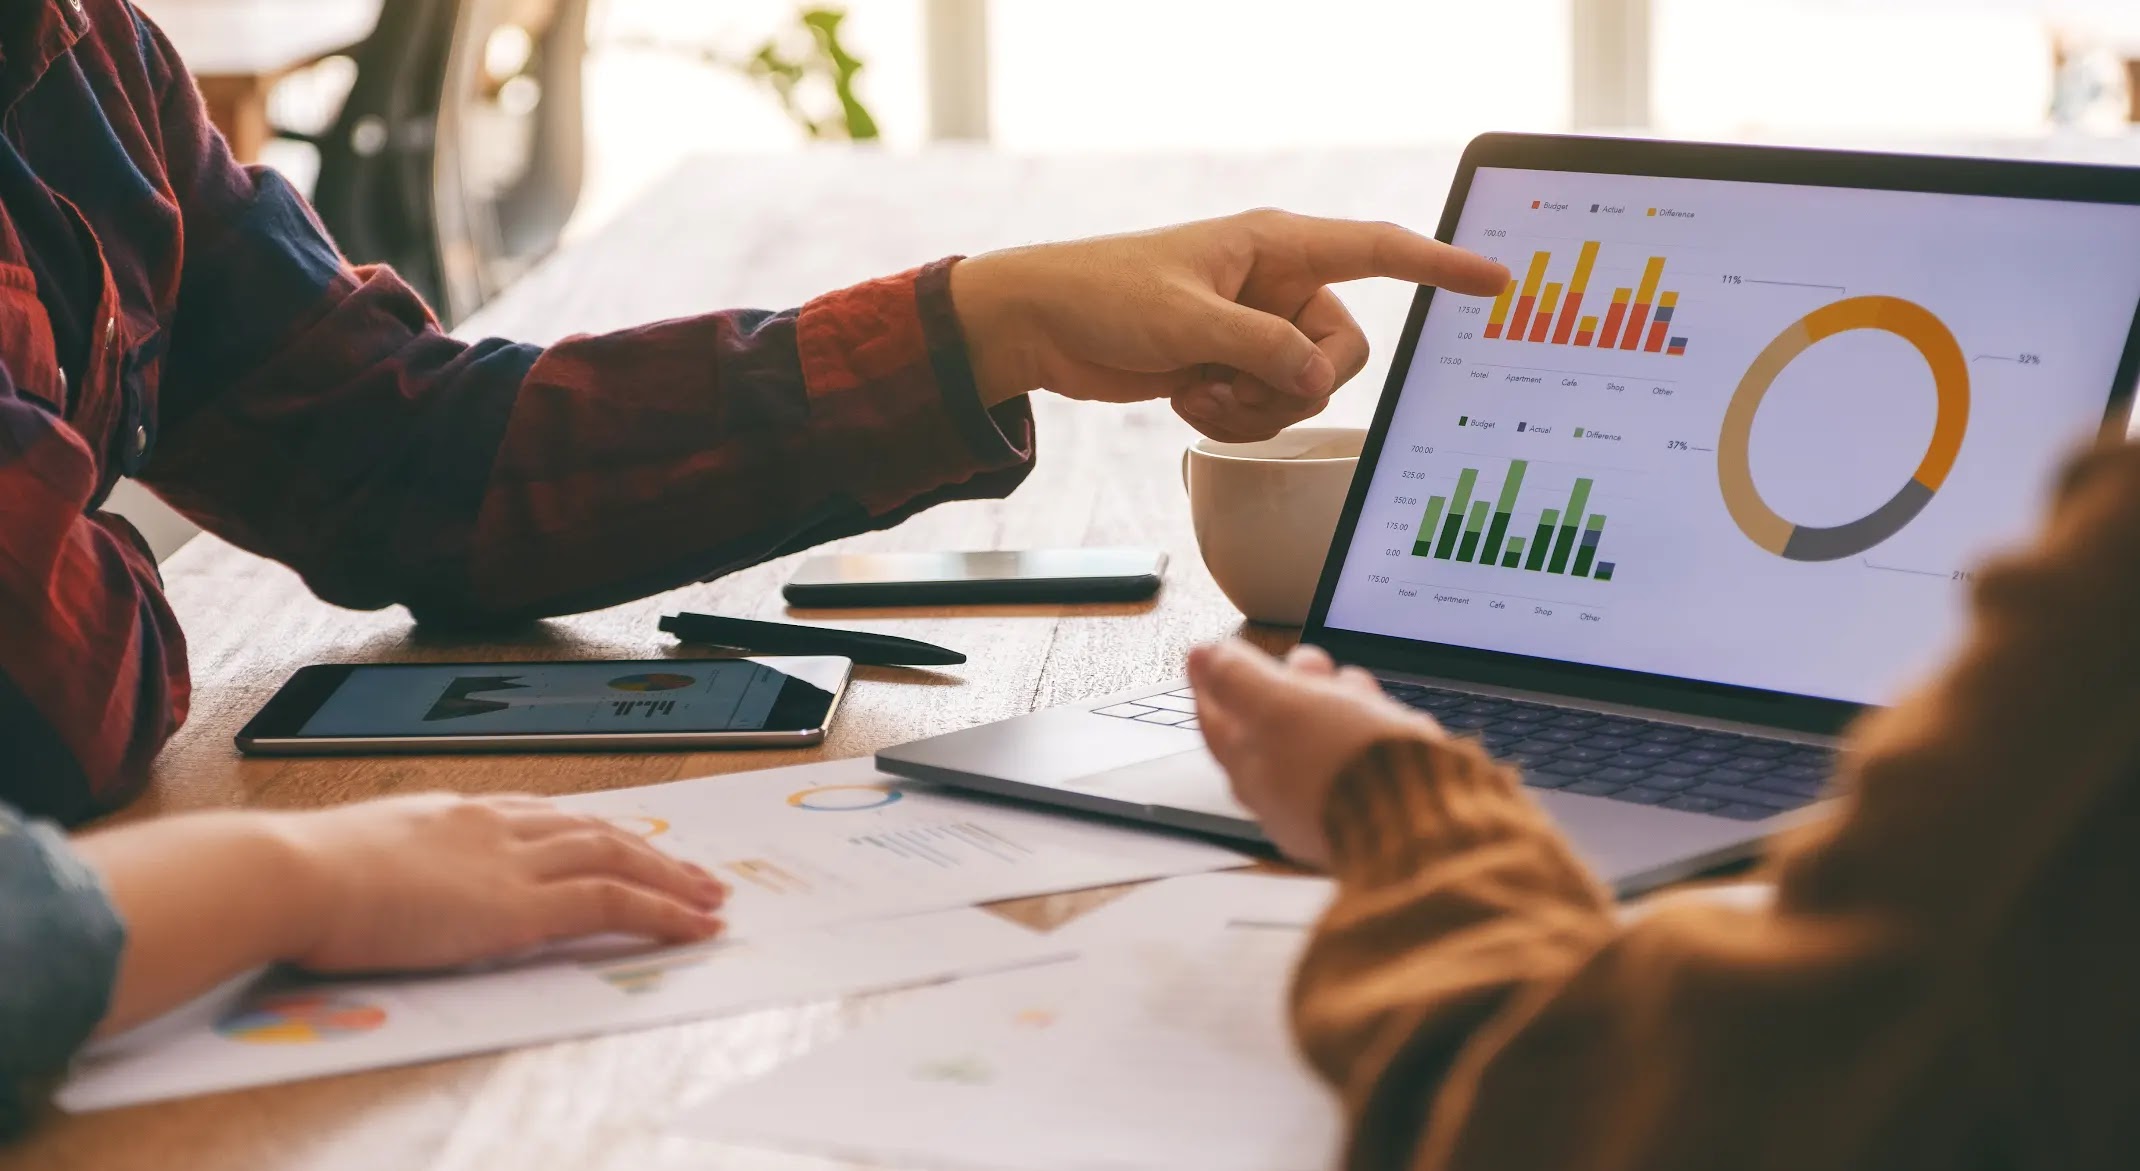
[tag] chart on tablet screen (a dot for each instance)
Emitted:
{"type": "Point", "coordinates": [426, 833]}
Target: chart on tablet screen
{"type": "Point", "coordinates": [1748, 433]}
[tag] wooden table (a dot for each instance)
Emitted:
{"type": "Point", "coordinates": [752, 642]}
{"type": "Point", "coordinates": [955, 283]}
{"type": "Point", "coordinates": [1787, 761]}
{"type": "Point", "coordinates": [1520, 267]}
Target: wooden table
{"type": "Point", "coordinates": [238, 49]}
{"type": "Point", "coordinates": [723, 232]}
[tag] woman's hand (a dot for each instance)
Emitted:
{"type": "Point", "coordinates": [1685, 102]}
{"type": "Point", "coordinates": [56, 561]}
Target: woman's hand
{"type": "Point", "coordinates": [1232, 319]}
{"type": "Point", "coordinates": [437, 880]}
{"type": "Point", "coordinates": [1284, 731]}
{"type": "Point", "coordinates": [410, 882]}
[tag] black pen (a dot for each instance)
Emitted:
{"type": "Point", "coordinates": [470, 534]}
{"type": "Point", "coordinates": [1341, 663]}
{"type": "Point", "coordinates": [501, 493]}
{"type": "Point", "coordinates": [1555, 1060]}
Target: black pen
{"type": "Point", "coordinates": [781, 638]}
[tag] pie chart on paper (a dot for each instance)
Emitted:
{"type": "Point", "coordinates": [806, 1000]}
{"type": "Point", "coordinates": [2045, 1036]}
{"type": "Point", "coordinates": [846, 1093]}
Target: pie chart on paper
{"type": "Point", "coordinates": [301, 1018]}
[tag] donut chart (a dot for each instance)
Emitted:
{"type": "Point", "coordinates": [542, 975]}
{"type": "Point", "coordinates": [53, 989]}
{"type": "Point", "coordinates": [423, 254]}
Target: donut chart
{"type": "Point", "coordinates": [844, 798]}
{"type": "Point", "coordinates": [1932, 339]}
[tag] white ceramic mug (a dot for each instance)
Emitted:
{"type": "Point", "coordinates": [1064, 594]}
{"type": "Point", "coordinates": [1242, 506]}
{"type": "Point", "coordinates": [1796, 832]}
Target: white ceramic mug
{"type": "Point", "coordinates": [1265, 514]}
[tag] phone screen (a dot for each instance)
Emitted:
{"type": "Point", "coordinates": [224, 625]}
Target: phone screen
{"type": "Point", "coordinates": [537, 699]}
{"type": "Point", "coordinates": [1002, 565]}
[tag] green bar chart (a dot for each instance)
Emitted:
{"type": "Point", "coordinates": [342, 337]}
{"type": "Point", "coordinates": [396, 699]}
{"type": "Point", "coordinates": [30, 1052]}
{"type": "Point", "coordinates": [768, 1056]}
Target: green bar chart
{"type": "Point", "coordinates": [1542, 541]}
{"type": "Point", "coordinates": [1564, 545]}
{"type": "Point", "coordinates": [1503, 510]}
{"type": "Point", "coordinates": [1453, 528]}
{"type": "Point", "coordinates": [1464, 526]}
{"type": "Point", "coordinates": [1423, 546]}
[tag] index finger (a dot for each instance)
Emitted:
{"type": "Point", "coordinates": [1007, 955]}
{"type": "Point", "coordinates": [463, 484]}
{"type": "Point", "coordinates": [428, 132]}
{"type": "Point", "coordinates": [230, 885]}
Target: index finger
{"type": "Point", "coordinates": [1350, 250]}
{"type": "Point", "coordinates": [581, 907]}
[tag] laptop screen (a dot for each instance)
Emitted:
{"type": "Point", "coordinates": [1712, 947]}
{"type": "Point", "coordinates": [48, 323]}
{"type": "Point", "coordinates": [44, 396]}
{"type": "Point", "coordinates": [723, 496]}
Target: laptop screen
{"type": "Point", "coordinates": [1740, 433]}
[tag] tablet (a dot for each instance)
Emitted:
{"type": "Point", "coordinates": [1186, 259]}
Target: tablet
{"type": "Point", "coordinates": [628, 705]}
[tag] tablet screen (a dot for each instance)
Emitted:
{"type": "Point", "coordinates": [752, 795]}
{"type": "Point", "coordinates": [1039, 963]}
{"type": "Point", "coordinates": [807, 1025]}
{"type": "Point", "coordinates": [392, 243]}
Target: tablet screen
{"type": "Point", "coordinates": [1743, 433]}
{"type": "Point", "coordinates": [519, 699]}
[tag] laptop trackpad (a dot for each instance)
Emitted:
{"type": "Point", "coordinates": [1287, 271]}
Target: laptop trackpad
{"type": "Point", "coordinates": [1189, 780]}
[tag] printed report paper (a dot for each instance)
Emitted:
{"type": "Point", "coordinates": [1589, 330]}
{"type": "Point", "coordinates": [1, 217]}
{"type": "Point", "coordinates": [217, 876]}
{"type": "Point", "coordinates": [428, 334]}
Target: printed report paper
{"type": "Point", "coordinates": [275, 1029]}
{"type": "Point", "coordinates": [843, 882]}
{"type": "Point", "coordinates": [1166, 1046]}
{"type": "Point", "coordinates": [835, 842]}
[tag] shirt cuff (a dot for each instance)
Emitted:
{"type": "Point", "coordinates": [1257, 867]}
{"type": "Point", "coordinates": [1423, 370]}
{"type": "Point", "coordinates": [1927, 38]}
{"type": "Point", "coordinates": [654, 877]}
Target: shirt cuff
{"type": "Point", "coordinates": [1407, 803]}
{"type": "Point", "coordinates": [998, 437]}
{"type": "Point", "coordinates": [60, 944]}
{"type": "Point", "coordinates": [887, 361]}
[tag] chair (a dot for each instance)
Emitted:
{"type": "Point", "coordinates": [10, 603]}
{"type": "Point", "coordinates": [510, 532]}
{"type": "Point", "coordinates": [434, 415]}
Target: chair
{"type": "Point", "coordinates": [457, 155]}
{"type": "Point", "coordinates": [511, 146]}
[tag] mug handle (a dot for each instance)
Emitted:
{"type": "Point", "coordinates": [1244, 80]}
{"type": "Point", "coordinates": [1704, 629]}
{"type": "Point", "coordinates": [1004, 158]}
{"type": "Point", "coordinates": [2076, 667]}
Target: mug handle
{"type": "Point", "coordinates": [1186, 452]}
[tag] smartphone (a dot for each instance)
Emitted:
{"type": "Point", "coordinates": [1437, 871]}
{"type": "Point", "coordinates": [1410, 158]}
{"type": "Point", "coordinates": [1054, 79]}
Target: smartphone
{"type": "Point", "coordinates": [928, 579]}
{"type": "Point", "coordinates": [626, 705]}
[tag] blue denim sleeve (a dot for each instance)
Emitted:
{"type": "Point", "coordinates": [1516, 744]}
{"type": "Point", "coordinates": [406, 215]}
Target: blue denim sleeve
{"type": "Point", "coordinates": [60, 940]}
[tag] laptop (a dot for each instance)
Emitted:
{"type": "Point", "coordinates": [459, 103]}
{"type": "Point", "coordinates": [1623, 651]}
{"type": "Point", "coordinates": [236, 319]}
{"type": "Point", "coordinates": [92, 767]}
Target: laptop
{"type": "Point", "coordinates": [1704, 482]}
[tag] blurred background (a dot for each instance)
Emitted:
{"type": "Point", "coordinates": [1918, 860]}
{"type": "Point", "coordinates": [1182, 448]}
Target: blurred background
{"type": "Point", "coordinates": [651, 82]}
{"type": "Point", "coordinates": [464, 140]}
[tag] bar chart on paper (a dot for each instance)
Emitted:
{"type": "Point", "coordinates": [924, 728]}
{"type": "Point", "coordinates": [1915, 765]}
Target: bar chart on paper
{"type": "Point", "coordinates": [1472, 526]}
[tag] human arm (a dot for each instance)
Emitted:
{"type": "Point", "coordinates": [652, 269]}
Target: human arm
{"type": "Point", "coordinates": [1934, 982]}
{"type": "Point", "coordinates": [407, 883]}
{"type": "Point", "coordinates": [426, 881]}
{"type": "Point", "coordinates": [313, 412]}
{"type": "Point", "coordinates": [121, 924]}
{"type": "Point", "coordinates": [92, 664]}
{"type": "Point", "coordinates": [1231, 320]}
{"type": "Point", "coordinates": [60, 942]}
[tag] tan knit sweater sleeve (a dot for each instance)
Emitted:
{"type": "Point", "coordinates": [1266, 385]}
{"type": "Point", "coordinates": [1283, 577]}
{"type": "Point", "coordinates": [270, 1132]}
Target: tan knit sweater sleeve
{"type": "Point", "coordinates": [1949, 977]}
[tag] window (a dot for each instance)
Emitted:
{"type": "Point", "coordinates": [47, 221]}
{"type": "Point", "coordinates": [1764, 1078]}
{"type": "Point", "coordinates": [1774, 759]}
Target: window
{"type": "Point", "coordinates": [1841, 69]}
{"type": "Point", "coordinates": [1266, 74]}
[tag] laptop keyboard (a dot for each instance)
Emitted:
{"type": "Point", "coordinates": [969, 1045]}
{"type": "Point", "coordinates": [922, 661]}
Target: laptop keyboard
{"type": "Point", "coordinates": [1641, 762]}
{"type": "Point", "coordinates": [1175, 708]}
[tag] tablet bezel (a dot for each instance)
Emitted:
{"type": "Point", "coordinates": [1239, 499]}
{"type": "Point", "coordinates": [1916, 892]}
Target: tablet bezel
{"type": "Point", "coordinates": [2060, 182]}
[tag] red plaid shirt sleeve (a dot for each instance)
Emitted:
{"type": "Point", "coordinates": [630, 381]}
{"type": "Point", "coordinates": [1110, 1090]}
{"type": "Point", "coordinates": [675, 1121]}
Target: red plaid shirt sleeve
{"type": "Point", "coordinates": [313, 412]}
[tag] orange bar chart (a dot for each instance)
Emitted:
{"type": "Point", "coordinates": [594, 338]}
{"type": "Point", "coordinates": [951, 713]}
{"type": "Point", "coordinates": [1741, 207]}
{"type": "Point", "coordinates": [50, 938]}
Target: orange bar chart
{"type": "Point", "coordinates": [1645, 297]}
{"type": "Point", "coordinates": [1527, 298]}
{"type": "Point", "coordinates": [1666, 306]}
{"type": "Point", "coordinates": [1614, 316]}
{"type": "Point", "coordinates": [1576, 288]}
{"type": "Point", "coordinates": [1499, 320]}
{"type": "Point", "coordinates": [1546, 307]}
{"type": "Point", "coordinates": [1547, 312]}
